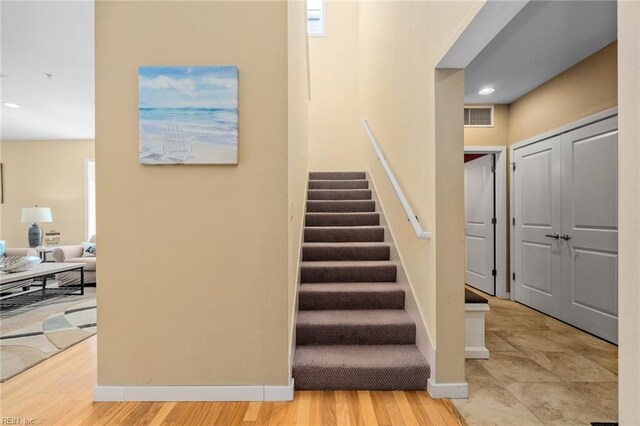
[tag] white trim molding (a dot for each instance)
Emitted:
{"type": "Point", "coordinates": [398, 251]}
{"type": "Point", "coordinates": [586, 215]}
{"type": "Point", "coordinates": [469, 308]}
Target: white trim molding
{"type": "Point", "coordinates": [193, 393]}
{"type": "Point", "coordinates": [599, 116]}
{"type": "Point", "coordinates": [448, 390]}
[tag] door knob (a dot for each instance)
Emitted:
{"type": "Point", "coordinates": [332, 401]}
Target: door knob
{"type": "Point", "coordinates": [565, 237]}
{"type": "Point", "coordinates": [554, 235]}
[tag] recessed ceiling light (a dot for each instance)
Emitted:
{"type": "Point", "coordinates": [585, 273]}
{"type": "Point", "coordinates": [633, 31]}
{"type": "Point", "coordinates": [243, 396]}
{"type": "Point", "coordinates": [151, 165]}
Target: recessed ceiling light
{"type": "Point", "coordinates": [486, 91]}
{"type": "Point", "coordinates": [10, 105]}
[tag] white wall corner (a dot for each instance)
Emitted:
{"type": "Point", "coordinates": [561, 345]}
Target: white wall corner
{"type": "Point", "coordinates": [448, 390]}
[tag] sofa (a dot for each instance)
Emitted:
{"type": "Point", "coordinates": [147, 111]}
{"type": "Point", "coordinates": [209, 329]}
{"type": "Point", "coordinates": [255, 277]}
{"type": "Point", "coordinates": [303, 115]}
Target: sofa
{"type": "Point", "coordinates": [75, 254]}
{"type": "Point", "coordinates": [20, 252]}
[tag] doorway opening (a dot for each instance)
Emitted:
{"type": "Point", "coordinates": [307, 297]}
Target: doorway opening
{"type": "Point", "coordinates": [486, 219]}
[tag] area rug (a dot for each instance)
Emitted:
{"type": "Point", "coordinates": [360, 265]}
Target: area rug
{"type": "Point", "coordinates": [39, 331]}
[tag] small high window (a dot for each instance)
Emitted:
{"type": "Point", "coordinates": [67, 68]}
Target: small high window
{"type": "Point", "coordinates": [316, 17]}
{"type": "Point", "coordinates": [478, 116]}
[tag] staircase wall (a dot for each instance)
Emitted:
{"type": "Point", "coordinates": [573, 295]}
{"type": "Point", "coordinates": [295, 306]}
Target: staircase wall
{"type": "Point", "coordinates": [398, 95]}
{"type": "Point", "coordinates": [298, 152]}
{"type": "Point", "coordinates": [334, 142]}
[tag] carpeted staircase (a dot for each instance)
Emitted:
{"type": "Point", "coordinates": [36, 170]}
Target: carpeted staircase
{"type": "Point", "coordinates": [352, 331]}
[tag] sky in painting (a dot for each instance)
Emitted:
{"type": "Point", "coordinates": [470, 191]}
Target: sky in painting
{"type": "Point", "coordinates": [193, 87]}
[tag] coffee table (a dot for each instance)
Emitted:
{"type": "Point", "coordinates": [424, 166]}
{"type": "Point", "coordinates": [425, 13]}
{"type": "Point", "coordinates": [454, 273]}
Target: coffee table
{"type": "Point", "coordinates": [11, 281]}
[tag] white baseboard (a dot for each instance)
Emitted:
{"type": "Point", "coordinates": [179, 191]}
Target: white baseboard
{"type": "Point", "coordinates": [471, 352]}
{"type": "Point", "coordinates": [193, 393]}
{"type": "Point", "coordinates": [448, 390]}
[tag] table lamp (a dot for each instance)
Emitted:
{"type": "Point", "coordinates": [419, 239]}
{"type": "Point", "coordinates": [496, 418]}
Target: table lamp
{"type": "Point", "coordinates": [33, 215]}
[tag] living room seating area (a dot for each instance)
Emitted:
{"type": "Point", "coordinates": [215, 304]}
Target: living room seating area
{"type": "Point", "coordinates": [76, 254]}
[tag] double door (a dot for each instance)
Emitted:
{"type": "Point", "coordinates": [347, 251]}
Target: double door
{"type": "Point", "coordinates": [566, 227]}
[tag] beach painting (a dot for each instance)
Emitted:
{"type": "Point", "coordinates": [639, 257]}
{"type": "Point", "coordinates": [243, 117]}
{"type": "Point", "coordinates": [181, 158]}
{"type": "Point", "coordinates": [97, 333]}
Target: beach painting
{"type": "Point", "coordinates": [188, 115]}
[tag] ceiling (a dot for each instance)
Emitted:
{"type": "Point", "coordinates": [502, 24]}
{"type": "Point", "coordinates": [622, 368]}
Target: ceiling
{"type": "Point", "coordinates": [54, 37]}
{"type": "Point", "coordinates": [544, 39]}
{"type": "Point", "coordinates": [57, 37]}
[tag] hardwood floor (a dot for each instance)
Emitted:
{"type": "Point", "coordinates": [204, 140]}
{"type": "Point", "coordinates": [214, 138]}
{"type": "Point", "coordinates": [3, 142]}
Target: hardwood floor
{"type": "Point", "coordinates": [59, 392]}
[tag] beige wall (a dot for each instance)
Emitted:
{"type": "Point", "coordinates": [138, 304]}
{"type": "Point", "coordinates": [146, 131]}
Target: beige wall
{"type": "Point", "coordinates": [400, 44]}
{"type": "Point", "coordinates": [334, 124]}
{"type": "Point", "coordinates": [449, 226]}
{"type": "Point", "coordinates": [629, 211]}
{"type": "Point", "coordinates": [586, 88]}
{"type": "Point", "coordinates": [498, 135]}
{"type": "Point", "coordinates": [193, 283]}
{"type": "Point", "coordinates": [298, 74]}
{"type": "Point", "coordinates": [49, 174]}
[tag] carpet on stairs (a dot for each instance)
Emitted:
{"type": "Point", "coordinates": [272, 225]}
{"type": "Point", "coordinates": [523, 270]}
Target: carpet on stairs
{"type": "Point", "coordinates": [352, 331]}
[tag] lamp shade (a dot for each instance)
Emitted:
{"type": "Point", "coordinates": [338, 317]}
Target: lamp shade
{"type": "Point", "coordinates": [36, 214]}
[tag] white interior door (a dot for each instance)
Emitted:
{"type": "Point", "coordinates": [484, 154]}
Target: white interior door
{"type": "Point", "coordinates": [590, 228]}
{"type": "Point", "coordinates": [538, 261]}
{"type": "Point", "coordinates": [479, 229]}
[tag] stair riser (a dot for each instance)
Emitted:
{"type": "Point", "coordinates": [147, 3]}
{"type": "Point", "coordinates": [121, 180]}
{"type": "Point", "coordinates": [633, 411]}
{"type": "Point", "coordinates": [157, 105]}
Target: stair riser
{"type": "Point", "coordinates": [315, 254]}
{"type": "Point", "coordinates": [338, 184]}
{"type": "Point", "coordinates": [343, 235]}
{"type": "Point", "coordinates": [342, 219]}
{"type": "Point", "coordinates": [317, 301]}
{"type": "Point", "coordinates": [339, 194]}
{"type": "Point", "coordinates": [327, 378]}
{"type": "Point", "coordinates": [345, 274]}
{"type": "Point", "coordinates": [340, 206]}
{"type": "Point", "coordinates": [339, 334]}
{"type": "Point", "coordinates": [336, 175]}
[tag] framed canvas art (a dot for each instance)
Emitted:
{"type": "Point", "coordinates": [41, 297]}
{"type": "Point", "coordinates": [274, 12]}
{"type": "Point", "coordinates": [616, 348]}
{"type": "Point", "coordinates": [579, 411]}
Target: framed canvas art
{"type": "Point", "coordinates": [188, 115]}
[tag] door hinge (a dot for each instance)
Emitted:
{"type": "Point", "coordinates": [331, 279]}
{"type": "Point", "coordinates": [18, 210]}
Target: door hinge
{"type": "Point", "coordinates": [513, 221]}
{"type": "Point", "coordinates": [494, 220]}
{"type": "Point", "coordinates": [494, 272]}
{"type": "Point", "coordinates": [493, 169]}
{"type": "Point", "coordinates": [514, 166]}
{"type": "Point", "coordinates": [514, 276]}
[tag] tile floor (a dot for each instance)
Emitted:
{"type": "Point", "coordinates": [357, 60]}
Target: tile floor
{"type": "Point", "coordinates": [540, 371]}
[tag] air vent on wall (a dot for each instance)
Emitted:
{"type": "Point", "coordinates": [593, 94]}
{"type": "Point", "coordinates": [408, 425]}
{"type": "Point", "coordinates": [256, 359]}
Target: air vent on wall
{"type": "Point", "coordinates": [478, 116]}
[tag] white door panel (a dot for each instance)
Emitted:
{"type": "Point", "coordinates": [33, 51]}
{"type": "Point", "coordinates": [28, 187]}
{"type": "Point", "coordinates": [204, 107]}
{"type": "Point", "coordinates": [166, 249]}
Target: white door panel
{"type": "Point", "coordinates": [537, 181]}
{"type": "Point", "coordinates": [479, 232]}
{"type": "Point", "coordinates": [590, 220]}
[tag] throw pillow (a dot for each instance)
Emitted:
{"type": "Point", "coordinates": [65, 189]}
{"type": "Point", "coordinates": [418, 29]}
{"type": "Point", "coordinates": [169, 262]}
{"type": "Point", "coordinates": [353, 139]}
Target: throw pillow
{"type": "Point", "coordinates": [13, 264]}
{"type": "Point", "coordinates": [89, 249]}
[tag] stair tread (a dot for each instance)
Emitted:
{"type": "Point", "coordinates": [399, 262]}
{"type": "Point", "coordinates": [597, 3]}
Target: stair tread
{"type": "Point", "coordinates": [336, 180]}
{"type": "Point", "coordinates": [329, 214]}
{"type": "Point", "coordinates": [338, 201]}
{"type": "Point", "coordinates": [360, 356]}
{"type": "Point", "coordinates": [350, 288]}
{"type": "Point", "coordinates": [349, 228]}
{"type": "Point", "coordinates": [349, 263]}
{"type": "Point", "coordinates": [339, 190]}
{"type": "Point", "coordinates": [335, 175]}
{"type": "Point", "coordinates": [354, 283]}
{"type": "Point", "coordinates": [347, 244]}
{"type": "Point", "coordinates": [363, 317]}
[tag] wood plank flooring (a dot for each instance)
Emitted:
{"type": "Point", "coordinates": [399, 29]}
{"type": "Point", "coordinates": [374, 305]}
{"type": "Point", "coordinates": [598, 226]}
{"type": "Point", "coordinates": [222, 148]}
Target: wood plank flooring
{"type": "Point", "coordinates": [59, 392]}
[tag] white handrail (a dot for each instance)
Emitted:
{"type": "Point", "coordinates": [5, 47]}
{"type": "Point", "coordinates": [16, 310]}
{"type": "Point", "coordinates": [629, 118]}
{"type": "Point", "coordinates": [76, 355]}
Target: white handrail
{"type": "Point", "coordinates": [420, 233]}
